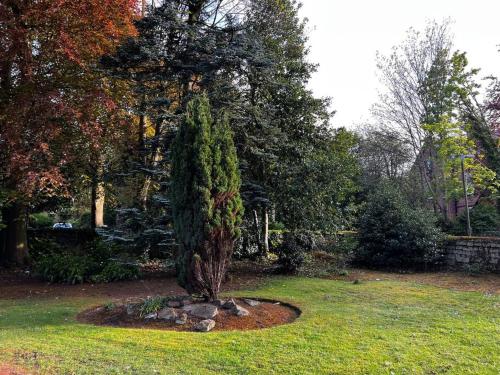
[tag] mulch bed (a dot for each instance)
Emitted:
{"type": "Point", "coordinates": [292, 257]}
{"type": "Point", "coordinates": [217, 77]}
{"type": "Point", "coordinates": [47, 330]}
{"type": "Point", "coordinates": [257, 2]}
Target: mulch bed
{"type": "Point", "coordinates": [266, 314]}
{"type": "Point", "coordinates": [17, 284]}
{"type": "Point", "coordinates": [11, 370]}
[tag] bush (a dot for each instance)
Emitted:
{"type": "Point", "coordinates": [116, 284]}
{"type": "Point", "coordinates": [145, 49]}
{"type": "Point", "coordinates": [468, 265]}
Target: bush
{"type": "Point", "coordinates": [291, 252]}
{"type": "Point", "coordinates": [97, 262]}
{"type": "Point", "coordinates": [65, 268]}
{"type": "Point", "coordinates": [116, 271]}
{"type": "Point", "coordinates": [392, 234]}
{"type": "Point", "coordinates": [41, 220]}
{"type": "Point", "coordinates": [484, 219]}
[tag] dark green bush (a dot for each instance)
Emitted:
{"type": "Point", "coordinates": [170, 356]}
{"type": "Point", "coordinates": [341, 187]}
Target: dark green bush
{"type": "Point", "coordinates": [96, 262]}
{"type": "Point", "coordinates": [116, 271]}
{"type": "Point", "coordinates": [41, 220]}
{"type": "Point", "coordinates": [291, 252]}
{"type": "Point", "coordinates": [484, 219]}
{"type": "Point", "coordinates": [65, 268]}
{"type": "Point", "coordinates": [393, 234]}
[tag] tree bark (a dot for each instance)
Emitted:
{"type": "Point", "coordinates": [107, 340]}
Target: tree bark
{"type": "Point", "coordinates": [265, 232]}
{"type": "Point", "coordinates": [98, 198]}
{"type": "Point", "coordinates": [15, 235]}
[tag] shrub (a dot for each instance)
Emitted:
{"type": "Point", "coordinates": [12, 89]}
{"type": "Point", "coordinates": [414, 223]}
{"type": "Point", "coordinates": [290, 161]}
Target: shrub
{"type": "Point", "coordinates": [484, 219]}
{"type": "Point", "coordinates": [291, 252]}
{"type": "Point", "coordinates": [392, 234]}
{"type": "Point", "coordinates": [65, 268]}
{"type": "Point", "coordinates": [98, 262]}
{"type": "Point", "coordinates": [116, 271]}
{"type": "Point", "coordinates": [41, 220]}
{"type": "Point", "coordinates": [152, 305]}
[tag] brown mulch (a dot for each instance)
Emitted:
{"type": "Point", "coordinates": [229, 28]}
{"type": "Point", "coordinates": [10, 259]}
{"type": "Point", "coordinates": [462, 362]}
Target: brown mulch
{"type": "Point", "coordinates": [11, 370]}
{"type": "Point", "coordinates": [19, 285]}
{"type": "Point", "coordinates": [265, 315]}
{"type": "Point", "coordinates": [485, 283]}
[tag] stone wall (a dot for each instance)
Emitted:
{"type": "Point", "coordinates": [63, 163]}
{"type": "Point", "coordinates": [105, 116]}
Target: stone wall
{"type": "Point", "coordinates": [474, 253]}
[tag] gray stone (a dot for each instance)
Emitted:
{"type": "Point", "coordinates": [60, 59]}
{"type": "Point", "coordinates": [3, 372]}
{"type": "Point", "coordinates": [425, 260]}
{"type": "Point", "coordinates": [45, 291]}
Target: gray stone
{"type": "Point", "coordinates": [240, 311]}
{"type": "Point", "coordinates": [151, 316]}
{"type": "Point", "coordinates": [132, 309]}
{"type": "Point", "coordinates": [252, 302]}
{"type": "Point", "coordinates": [205, 325]}
{"type": "Point", "coordinates": [167, 314]}
{"type": "Point", "coordinates": [202, 310]}
{"type": "Point", "coordinates": [181, 319]}
{"type": "Point", "coordinates": [229, 304]}
{"type": "Point", "coordinates": [219, 302]}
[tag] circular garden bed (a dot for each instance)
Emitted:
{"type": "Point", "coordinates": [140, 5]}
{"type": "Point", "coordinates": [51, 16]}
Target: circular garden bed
{"type": "Point", "coordinates": [185, 314]}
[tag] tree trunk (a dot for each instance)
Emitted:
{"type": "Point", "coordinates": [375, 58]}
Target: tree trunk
{"type": "Point", "coordinates": [257, 229]}
{"type": "Point", "coordinates": [265, 233]}
{"type": "Point", "coordinates": [98, 197]}
{"type": "Point", "coordinates": [15, 235]}
{"type": "Point", "coordinates": [97, 209]}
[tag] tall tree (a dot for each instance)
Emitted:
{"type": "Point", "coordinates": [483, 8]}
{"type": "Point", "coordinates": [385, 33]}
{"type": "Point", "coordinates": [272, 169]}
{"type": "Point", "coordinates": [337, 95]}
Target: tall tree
{"type": "Point", "coordinates": [207, 207]}
{"type": "Point", "coordinates": [47, 49]}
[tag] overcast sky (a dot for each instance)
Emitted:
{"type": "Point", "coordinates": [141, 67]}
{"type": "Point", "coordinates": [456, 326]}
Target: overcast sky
{"type": "Point", "coordinates": [346, 34]}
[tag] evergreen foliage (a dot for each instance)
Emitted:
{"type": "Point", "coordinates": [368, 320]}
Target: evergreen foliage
{"type": "Point", "coordinates": [393, 234]}
{"type": "Point", "coordinates": [207, 208]}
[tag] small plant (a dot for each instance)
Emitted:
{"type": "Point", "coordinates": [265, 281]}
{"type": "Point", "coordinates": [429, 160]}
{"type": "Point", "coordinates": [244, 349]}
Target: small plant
{"type": "Point", "coordinates": [152, 305]}
{"type": "Point", "coordinates": [110, 306]}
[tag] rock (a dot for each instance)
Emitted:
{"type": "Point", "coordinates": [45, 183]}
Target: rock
{"type": "Point", "coordinates": [174, 303]}
{"type": "Point", "coordinates": [181, 319]}
{"type": "Point", "coordinates": [186, 302]}
{"type": "Point", "coordinates": [252, 302]}
{"type": "Point", "coordinates": [202, 310]}
{"type": "Point", "coordinates": [229, 304]}
{"type": "Point", "coordinates": [205, 325]}
{"type": "Point", "coordinates": [167, 314]}
{"type": "Point", "coordinates": [151, 316]}
{"type": "Point", "coordinates": [240, 311]}
{"type": "Point", "coordinates": [132, 309]}
{"type": "Point", "coordinates": [219, 302]}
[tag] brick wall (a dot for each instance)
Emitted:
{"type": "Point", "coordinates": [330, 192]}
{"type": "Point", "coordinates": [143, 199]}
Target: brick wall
{"type": "Point", "coordinates": [483, 254]}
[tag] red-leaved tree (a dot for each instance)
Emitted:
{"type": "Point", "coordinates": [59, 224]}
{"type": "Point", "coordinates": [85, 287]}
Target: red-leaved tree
{"type": "Point", "coordinates": [50, 95]}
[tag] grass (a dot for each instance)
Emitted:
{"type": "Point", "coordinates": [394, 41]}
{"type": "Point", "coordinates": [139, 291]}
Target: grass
{"type": "Point", "coordinates": [370, 328]}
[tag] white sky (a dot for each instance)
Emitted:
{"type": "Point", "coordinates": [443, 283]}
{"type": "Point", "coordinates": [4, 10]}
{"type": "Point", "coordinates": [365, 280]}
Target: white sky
{"type": "Point", "coordinates": [346, 34]}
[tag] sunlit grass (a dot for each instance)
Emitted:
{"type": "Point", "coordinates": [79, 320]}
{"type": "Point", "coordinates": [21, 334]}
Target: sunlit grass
{"type": "Point", "coordinates": [370, 328]}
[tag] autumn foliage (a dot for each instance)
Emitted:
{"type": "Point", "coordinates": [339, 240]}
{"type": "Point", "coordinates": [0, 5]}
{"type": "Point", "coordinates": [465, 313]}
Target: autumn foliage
{"type": "Point", "coordinates": [48, 53]}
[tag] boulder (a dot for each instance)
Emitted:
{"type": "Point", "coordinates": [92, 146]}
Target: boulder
{"type": "Point", "coordinates": [252, 302]}
{"type": "Point", "coordinates": [202, 310]}
{"type": "Point", "coordinates": [151, 316]}
{"type": "Point", "coordinates": [167, 314]}
{"type": "Point", "coordinates": [205, 325]}
{"type": "Point", "coordinates": [229, 304]}
{"type": "Point", "coordinates": [181, 319]}
{"type": "Point", "coordinates": [132, 309]}
{"type": "Point", "coordinates": [219, 302]}
{"type": "Point", "coordinates": [240, 311]}
{"type": "Point", "coordinates": [186, 301]}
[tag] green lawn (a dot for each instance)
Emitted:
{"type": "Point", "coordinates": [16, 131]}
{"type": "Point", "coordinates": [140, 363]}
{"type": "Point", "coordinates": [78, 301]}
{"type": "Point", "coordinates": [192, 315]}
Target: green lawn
{"type": "Point", "coordinates": [370, 328]}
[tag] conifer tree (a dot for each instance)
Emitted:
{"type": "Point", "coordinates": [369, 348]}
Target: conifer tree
{"type": "Point", "coordinates": [206, 203]}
